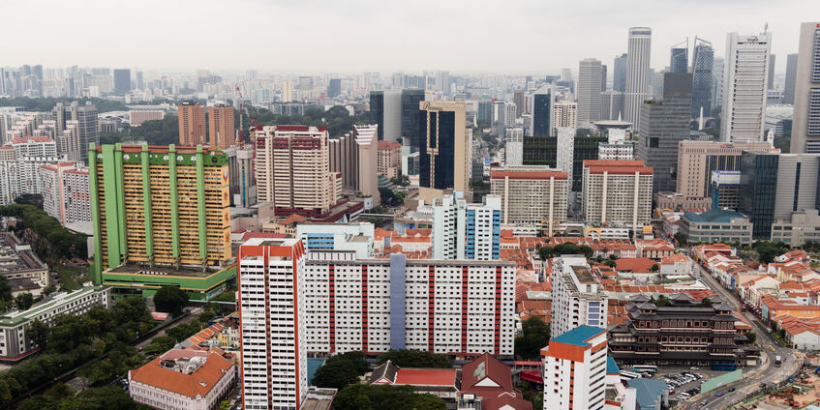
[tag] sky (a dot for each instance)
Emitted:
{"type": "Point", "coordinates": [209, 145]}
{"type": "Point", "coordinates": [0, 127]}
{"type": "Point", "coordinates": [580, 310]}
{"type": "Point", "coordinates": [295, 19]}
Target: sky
{"type": "Point", "coordinates": [343, 36]}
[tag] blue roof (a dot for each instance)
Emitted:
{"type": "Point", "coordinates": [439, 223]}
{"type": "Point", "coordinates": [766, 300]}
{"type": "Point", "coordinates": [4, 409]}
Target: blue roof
{"type": "Point", "coordinates": [648, 391]}
{"type": "Point", "coordinates": [715, 215]}
{"type": "Point", "coordinates": [611, 366]}
{"type": "Point", "coordinates": [579, 335]}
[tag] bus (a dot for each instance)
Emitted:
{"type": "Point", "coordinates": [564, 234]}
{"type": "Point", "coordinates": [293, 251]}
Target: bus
{"type": "Point", "coordinates": [778, 361]}
{"type": "Point", "coordinates": [645, 368]}
{"type": "Point", "coordinates": [626, 375]}
{"type": "Point", "coordinates": [724, 366]}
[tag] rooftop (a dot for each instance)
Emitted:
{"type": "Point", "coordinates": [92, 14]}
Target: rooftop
{"type": "Point", "coordinates": [426, 377]}
{"type": "Point", "coordinates": [578, 336]}
{"type": "Point", "coordinates": [648, 391]}
{"type": "Point", "coordinates": [190, 373]}
{"type": "Point", "coordinates": [715, 215]}
{"type": "Point", "coordinates": [16, 317]}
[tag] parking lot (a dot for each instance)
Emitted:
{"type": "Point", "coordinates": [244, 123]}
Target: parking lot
{"type": "Point", "coordinates": [684, 381]}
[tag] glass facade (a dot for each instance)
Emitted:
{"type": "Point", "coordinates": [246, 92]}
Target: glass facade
{"type": "Point", "coordinates": [702, 79]}
{"type": "Point", "coordinates": [410, 117]}
{"type": "Point", "coordinates": [541, 117]}
{"type": "Point", "coordinates": [377, 111]}
{"type": "Point", "coordinates": [758, 191]}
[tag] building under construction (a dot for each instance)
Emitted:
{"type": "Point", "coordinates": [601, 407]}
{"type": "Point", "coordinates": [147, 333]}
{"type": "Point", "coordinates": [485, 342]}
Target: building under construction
{"type": "Point", "coordinates": [162, 214]}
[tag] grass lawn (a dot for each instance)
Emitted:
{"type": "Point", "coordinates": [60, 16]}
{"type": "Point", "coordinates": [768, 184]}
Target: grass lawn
{"type": "Point", "coordinates": [71, 278]}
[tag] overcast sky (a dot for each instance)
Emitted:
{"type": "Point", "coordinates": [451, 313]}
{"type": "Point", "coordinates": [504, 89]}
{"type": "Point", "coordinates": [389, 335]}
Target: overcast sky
{"type": "Point", "coordinates": [343, 36]}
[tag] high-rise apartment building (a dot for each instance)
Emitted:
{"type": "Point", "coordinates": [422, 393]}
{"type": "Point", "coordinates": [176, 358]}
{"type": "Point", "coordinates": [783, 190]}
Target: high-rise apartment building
{"type": "Point", "coordinates": [65, 192]}
{"type": "Point", "coordinates": [619, 73]}
{"type": "Point", "coordinates": [531, 195]}
{"type": "Point", "coordinates": [137, 117]}
{"type": "Point", "coordinates": [122, 80]}
{"type": "Point", "coordinates": [703, 58]}
{"type": "Point", "coordinates": [575, 370]}
{"type": "Point", "coordinates": [543, 104]}
{"type": "Point", "coordinates": [514, 147]}
{"type": "Point", "coordinates": [589, 92]}
{"type": "Point", "coordinates": [775, 185]}
{"type": "Point", "coordinates": [389, 162]}
{"type": "Point", "coordinates": [20, 163]}
{"type": "Point", "coordinates": [518, 100]}
{"type": "Point", "coordinates": [222, 131]}
{"type": "Point", "coordinates": [273, 315]}
{"type": "Point", "coordinates": [287, 91]}
{"type": "Point", "coordinates": [191, 124]}
{"type": "Point", "coordinates": [466, 231]}
{"type": "Point", "coordinates": [293, 169]}
{"type": "Point", "coordinates": [579, 298]}
{"type": "Point", "coordinates": [637, 73]}
{"type": "Point", "coordinates": [74, 143]}
{"type": "Point", "coordinates": [509, 115]}
{"type": "Point", "coordinates": [746, 78]}
{"type": "Point", "coordinates": [355, 156]}
{"type": "Point", "coordinates": [697, 159]}
{"type": "Point", "coordinates": [806, 120]}
{"type": "Point", "coordinates": [444, 149]}
{"type": "Point", "coordinates": [664, 124]}
{"type": "Point", "coordinates": [159, 206]}
{"type": "Point", "coordinates": [446, 307]}
{"type": "Point", "coordinates": [565, 115]}
{"type": "Point", "coordinates": [617, 192]}
{"type": "Point", "coordinates": [791, 79]}
{"type": "Point", "coordinates": [679, 60]}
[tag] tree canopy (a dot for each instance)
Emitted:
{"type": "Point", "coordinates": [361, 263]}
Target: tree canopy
{"type": "Point", "coordinates": [341, 370]}
{"type": "Point", "coordinates": [417, 358]}
{"type": "Point", "coordinates": [47, 104]}
{"type": "Point", "coordinates": [536, 335]}
{"type": "Point", "coordinates": [171, 299]}
{"type": "Point", "coordinates": [48, 238]}
{"type": "Point", "coordinates": [767, 251]}
{"type": "Point", "coordinates": [385, 397]}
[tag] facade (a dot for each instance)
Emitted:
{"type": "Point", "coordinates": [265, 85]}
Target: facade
{"type": "Point", "coordinates": [355, 156]}
{"type": "Point", "coordinates": [746, 80]}
{"type": "Point", "coordinates": [679, 60]}
{"type": "Point", "coordinates": [716, 226]}
{"type": "Point", "coordinates": [162, 206]}
{"type": "Point", "coordinates": [20, 163]}
{"type": "Point", "coordinates": [616, 152]}
{"type": "Point", "coordinates": [242, 175]}
{"type": "Point", "coordinates": [444, 149]}
{"type": "Point", "coordinates": [617, 192]}
{"type": "Point", "coordinates": [357, 237]}
{"type": "Point", "coordinates": [664, 124]}
{"type": "Point", "coordinates": [183, 379]}
{"type": "Point", "coordinates": [531, 196]}
{"type": "Point", "coordinates": [16, 343]}
{"type": "Point", "coordinates": [697, 160]}
{"type": "Point", "coordinates": [565, 115]}
{"type": "Point", "coordinates": [411, 131]}
{"type": "Point", "coordinates": [272, 285]}
{"type": "Point", "coordinates": [725, 190]}
{"type": "Point", "coordinates": [221, 129]}
{"type": "Point", "coordinates": [619, 73]}
{"type": "Point", "coordinates": [543, 106]}
{"type": "Point", "coordinates": [637, 73]}
{"type": "Point", "coordinates": [20, 262]}
{"type": "Point", "coordinates": [791, 79]}
{"type": "Point", "coordinates": [389, 160]}
{"type": "Point", "coordinates": [463, 308]}
{"type": "Point", "coordinates": [293, 169]}
{"type": "Point", "coordinates": [122, 80]}
{"type": "Point", "coordinates": [466, 231]}
{"type": "Point", "coordinates": [76, 126]}
{"type": "Point", "coordinates": [612, 105]}
{"type": "Point", "coordinates": [575, 369]}
{"type": "Point", "coordinates": [703, 58]}
{"type": "Point", "coordinates": [514, 147]}
{"type": "Point", "coordinates": [682, 333]}
{"type": "Point", "coordinates": [802, 226]}
{"type": "Point", "coordinates": [806, 126]}
{"type": "Point", "coordinates": [386, 112]}
{"type": "Point", "coordinates": [66, 193]}
{"type": "Point", "coordinates": [578, 297]}
{"type": "Point", "coordinates": [589, 92]}
{"type": "Point", "coordinates": [191, 124]}
{"type": "Point", "coordinates": [137, 117]}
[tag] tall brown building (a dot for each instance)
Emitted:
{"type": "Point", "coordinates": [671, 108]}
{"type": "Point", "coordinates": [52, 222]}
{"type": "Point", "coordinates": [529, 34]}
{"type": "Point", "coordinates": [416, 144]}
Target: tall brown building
{"type": "Point", "coordinates": [221, 124]}
{"type": "Point", "coordinates": [191, 124]}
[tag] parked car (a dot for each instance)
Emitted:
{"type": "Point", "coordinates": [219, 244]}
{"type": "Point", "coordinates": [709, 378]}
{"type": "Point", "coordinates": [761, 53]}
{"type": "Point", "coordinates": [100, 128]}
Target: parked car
{"type": "Point", "coordinates": [720, 393]}
{"type": "Point", "coordinates": [694, 368]}
{"type": "Point", "coordinates": [703, 402]}
{"type": "Point", "coordinates": [731, 389]}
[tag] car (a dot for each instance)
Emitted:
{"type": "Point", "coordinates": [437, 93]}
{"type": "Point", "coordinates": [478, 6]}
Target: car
{"type": "Point", "coordinates": [694, 392]}
{"type": "Point", "coordinates": [684, 396]}
{"type": "Point", "coordinates": [731, 389]}
{"type": "Point", "coordinates": [703, 402]}
{"type": "Point", "coordinates": [720, 393]}
{"type": "Point", "coordinates": [694, 368]}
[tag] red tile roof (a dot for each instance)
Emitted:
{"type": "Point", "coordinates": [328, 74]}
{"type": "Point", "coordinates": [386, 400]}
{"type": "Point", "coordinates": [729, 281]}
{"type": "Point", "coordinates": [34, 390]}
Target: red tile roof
{"type": "Point", "coordinates": [426, 377]}
{"type": "Point", "coordinates": [527, 175]}
{"type": "Point", "coordinates": [637, 265]}
{"type": "Point", "coordinates": [485, 366]}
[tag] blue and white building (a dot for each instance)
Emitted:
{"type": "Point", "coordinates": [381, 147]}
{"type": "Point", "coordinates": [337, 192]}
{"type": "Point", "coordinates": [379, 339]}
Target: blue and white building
{"type": "Point", "coordinates": [466, 231]}
{"type": "Point", "coordinates": [578, 299]}
{"type": "Point", "coordinates": [353, 236]}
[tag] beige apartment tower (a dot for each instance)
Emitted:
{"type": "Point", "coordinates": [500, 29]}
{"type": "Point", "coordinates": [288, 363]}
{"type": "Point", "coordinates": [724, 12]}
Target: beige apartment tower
{"type": "Point", "coordinates": [617, 193]}
{"type": "Point", "coordinates": [191, 124]}
{"type": "Point", "coordinates": [531, 196]}
{"type": "Point", "coordinates": [221, 124]}
{"type": "Point", "coordinates": [355, 157]}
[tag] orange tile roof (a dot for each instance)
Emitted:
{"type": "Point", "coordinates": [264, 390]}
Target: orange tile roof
{"type": "Point", "coordinates": [386, 145]}
{"type": "Point", "coordinates": [674, 258]}
{"type": "Point", "coordinates": [426, 377]}
{"type": "Point", "coordinates": [292, 219]}
{"type": "Point", "coordinates": [638, 265]}
{"type": "Point", "coordinates": [527, 175]}
{"type": "Point", "coordinates": [418, 231]}
{"type": "Point", "coordinates": [198, 383]}
{"type": "Point", "coordinates": [411, 239]}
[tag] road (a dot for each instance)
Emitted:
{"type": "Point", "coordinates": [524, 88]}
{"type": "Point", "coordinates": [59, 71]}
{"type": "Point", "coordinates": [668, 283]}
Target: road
{"type": "Point", "coordinates": [752, 377]}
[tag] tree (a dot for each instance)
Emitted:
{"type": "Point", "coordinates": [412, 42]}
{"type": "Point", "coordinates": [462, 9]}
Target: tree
{"type": "Point", "coordinates": [38, 333]}
{"type": "Point", "coordinates": [385, 397]}
{"type": "Point", "coordinates": [611, 263]}
{"type": "Point", "coordinates": [706, 302]}
{"type": "Point", "coordinates": [225, 405]}
{"type": "Point", "coordinates": [752, 336]}
{"type": "Point", "coordinates": [654, 268]}
{"type": "Point", "coordinates": [545, 252]}
{"type": "Point", "coordinates": [5, 289]}
{"type": "Point", "coordinates": [586, 251]}
{"type": "Point", "coordinates": [681, 238]}
{"type": "Point", "coordinates": [767, 251]}
{"type": "Point", "coordinates": [429, 402]}
{"type": "Point", "coordinates": [535, 335]}
{"type": "Point", "coordinates": [171, 299]}
{"type": "Point", "coordinates": [335, 374]}
{"type": "Point", "coordinates": [24, 301]}
{"type": "Point", "coordinates": [417, 358]}
{"type": "Point", "coordinates": [567, 248]}
{"type": "Point", "coordinates": [538, 401]}
{"type": "Point", "coordinates": [661, 301]}
{"type": "Point", "coordinates": [30, 199]}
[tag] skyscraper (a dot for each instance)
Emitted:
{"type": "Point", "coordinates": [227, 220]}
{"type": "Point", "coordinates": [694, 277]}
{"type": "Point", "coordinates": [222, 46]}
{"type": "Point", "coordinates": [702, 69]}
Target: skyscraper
{"type": "Point", "coordinates": [745, 78]}
{"type": "Point", "coordinates": [542, 111]}
{"type": "Point", "coordinates": [679, 61]}
{"type": "Point", "coordinates": [443, 82]}
{"type": "Point", "coordinates": [770, 80]}
{"type": "Point", "coordinates": [386, 112]}
{"type": "Point", "coordinates": [612, 105]}
{"type": "Point", "coordinates": [702, 78]}
{"type": "Point", "coordinates": [603, 78]}
{"type": "Point", "coordinates": [565, 115]}
{"type": "Point", "coordinates": [272, 293]}
{"type": "Point", "coordinates": [355, 155]}
{"type": "Point", "coordinates": [410, 115]}
{"type": "Point", "coordinates": [444, 148]}
{"type": "Point", "coordinates": [334, 87]}
{"type": "Point", "coordinates": [718, 69]}
{"type": "Point", "coordinates": [664, 124]}
{"type": "Point", "coordinates": [191, 124]}
{"type": "Point", "coordinates": [619, 73]}
{"type": "Point", "coordinates": [791, 78]}
{"type": "Point", "coordinates": [122, 80]}
{"type": "Point", "coordinates": [589, 92]}
{"type": "Point", "coordinates": [518, 100]}
{"type": "Point", "coordinates": [617, 192]}
{"type": "Point", "coordinates": [637, 73]}
{"type": "Point", "coordinates": [221, 123]}
{"type": "Point", "coordinates": [531, 195]}
{"type": "Point", "coordinates": [74, 143]}
{"type": "Point", "coordinates": [806, 123]}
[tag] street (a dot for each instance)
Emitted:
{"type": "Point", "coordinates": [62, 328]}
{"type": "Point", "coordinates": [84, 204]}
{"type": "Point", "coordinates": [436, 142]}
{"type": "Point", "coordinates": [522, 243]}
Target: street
{"type": "Point", "coordinates": [752, 377]}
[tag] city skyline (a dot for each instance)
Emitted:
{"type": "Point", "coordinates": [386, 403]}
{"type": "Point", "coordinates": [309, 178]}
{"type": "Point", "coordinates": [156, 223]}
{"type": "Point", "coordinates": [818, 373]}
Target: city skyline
{"type": "Point", "coordinates": [410, 37]}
